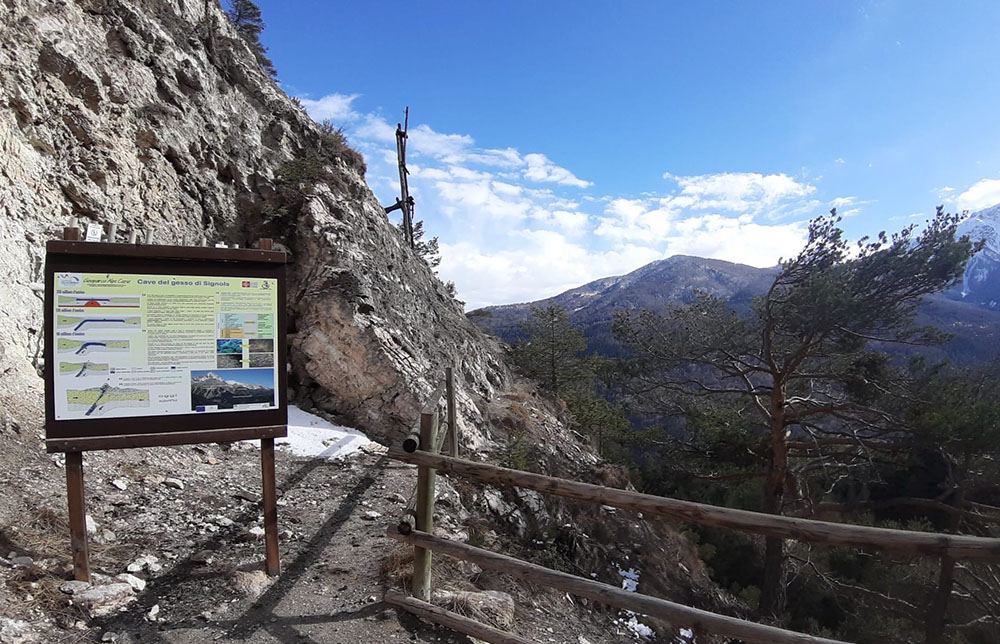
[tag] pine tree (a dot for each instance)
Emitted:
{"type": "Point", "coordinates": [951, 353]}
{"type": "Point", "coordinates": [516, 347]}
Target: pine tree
{"type": "Point", "coordinates": [803, 374]}
{"type": "Point", "coordinates": [550, 352]}
{"type": "Point", "coordinates": [246, 18]}
{"type": "Point", "coordinates": [428, 249]}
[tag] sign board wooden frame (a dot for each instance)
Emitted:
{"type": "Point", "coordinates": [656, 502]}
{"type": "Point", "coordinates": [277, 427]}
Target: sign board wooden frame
{"type": "Point", "coordinates": [172, 427]}
{"type": "Point", "coordinates": [169, 261]}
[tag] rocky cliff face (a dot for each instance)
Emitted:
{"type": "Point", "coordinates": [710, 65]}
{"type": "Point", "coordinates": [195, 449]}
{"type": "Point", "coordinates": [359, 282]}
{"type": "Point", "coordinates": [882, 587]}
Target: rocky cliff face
{"type": "Point", "coordinates": [154, 115]}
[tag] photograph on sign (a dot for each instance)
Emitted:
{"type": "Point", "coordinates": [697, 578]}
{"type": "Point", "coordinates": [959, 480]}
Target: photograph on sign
{"type": "Point", "coordinates": [132, 345]}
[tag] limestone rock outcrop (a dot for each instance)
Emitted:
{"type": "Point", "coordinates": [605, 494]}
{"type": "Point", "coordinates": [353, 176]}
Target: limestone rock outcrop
{"type": "Point", "coordinates": [155, 116]}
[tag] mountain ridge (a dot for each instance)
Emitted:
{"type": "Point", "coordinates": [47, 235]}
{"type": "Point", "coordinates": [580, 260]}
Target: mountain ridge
{"type": "Point", "coordinates": [970, 310]}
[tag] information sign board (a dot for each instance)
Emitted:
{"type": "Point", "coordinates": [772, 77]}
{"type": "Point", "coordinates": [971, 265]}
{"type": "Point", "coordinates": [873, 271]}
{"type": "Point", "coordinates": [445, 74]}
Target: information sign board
{"type": "Point", "coordinates": [162, 342]}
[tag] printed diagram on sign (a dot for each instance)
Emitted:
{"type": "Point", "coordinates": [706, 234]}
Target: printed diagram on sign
{"type": "Point", "coordinates": [78, 369]}
{"type": "Point", "coordinates": [100, 301]}
{"type": "Point", "coordinates": [136, 345]}
{"type": "Point", "coordinates": [80, 323]}
{"type": "Point", "coordinates": [96, 401]}
{"type": "Point", "coordinates": [85, 347]}
{"type": "Point", "coordinates": [245, 325]}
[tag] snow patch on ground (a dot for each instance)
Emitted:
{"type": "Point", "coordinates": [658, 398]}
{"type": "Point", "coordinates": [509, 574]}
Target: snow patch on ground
{"type": "Point", "coordinates": [310, 435]}
{"type": "Point", "coordinates": [630, 583]}
{"type": "Point", "coordinates": [630, 579]}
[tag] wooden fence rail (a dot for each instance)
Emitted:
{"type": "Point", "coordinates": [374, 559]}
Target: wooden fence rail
{"type": "Point", "coordinates": [416, 528]}
{"type": "Point", "coordinates": [454, 621]}
{"type": "Point", "coordinates": [899, 542]}
{"type": "Point", "coordinates": [677, 614]}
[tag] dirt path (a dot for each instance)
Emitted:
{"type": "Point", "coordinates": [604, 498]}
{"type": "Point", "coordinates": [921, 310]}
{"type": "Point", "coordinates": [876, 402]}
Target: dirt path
{"type": "Point", "coordinates": [207, 583]}
{"type": "Point", "coordinates": [329, 589]}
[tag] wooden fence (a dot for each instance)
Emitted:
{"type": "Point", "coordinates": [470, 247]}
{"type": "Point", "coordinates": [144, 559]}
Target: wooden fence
{"type": "Point", "coordinates": [421, 449]}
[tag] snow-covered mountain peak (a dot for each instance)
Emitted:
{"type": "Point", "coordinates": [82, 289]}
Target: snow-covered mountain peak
{"type": "Point", "coordinates": [985, 225]}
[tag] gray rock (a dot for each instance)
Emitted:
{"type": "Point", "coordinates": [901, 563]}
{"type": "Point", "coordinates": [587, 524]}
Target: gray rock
{"type": "Point", "coordinates": [137, 584]}
{"type": "Point", "coordinates": [251, 583]}
{"type": "Point", "coordinates": [176, 484]}
{"type": "Point", "coordinates": [13, 630]}
{"type": "Point", "coordinates": [23, 560]}
{"type": "Point", "coordinates": [74, 587]}
{"type": "Point", "coordinates": [104, 600]}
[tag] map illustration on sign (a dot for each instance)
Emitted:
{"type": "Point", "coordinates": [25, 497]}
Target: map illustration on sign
{"type": "Point", "coordinates": [77, 323]}
{"type": "Point", "coordinates": [83, 368]}
{"type": "Point", "coordinates": [100, 400]}
{"type": "Point", "coordinates": [109, 302]}
{"type": "Point", "coordinates": [83, 347]}
{"type": "Point", "coordinates": [131, 345]}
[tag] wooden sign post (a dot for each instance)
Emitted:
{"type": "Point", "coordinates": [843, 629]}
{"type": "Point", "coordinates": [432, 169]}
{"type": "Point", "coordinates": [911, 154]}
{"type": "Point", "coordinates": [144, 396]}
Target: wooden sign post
{"type": "Point", "coordinates": [162, 345]}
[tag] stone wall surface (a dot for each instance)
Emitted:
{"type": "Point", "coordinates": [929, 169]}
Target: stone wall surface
{"type": "Point", "coordinates": [154, 115]}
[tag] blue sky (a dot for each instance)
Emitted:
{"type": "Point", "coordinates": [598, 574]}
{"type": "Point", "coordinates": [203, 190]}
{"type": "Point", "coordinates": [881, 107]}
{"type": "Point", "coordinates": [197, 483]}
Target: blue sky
{"type": "Point", "coordinates": [552, 143]}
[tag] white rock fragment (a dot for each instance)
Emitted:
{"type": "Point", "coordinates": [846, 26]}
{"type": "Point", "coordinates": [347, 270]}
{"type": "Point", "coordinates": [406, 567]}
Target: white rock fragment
{"type": "Point", "coordinates": [122, 485]}
{"type": "Point", "coordinates": [176, 484]}
{"type": "Point", "coordinates": [74, 587]}
{"type": "Point", "coordinates": [104, 600]}
{"type": "Point", "coordinates": [137, 584]}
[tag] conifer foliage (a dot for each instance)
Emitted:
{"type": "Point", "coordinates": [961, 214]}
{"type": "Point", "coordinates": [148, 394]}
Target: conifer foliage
{"type": "Point", "coordinates": [428, 249]}
{"type": "Point", "coordinates": [784, 390]}
{"type": "Point", "coordinates": [246, 18]}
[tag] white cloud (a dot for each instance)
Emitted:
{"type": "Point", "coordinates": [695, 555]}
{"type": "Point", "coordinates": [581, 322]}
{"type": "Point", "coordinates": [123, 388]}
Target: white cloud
{"type": "Point", "coordinates": [336, 107]}
{"type": "Point", "coordinates": [839, 161]}
{"type": "Point", "coordinates": [452, 148]}
{"type": "Point", "coordinates": [739, 192]}
{"type": "Point", "coordinates": [542, 170]}
{"type": "Point", "coordinates": [545, 263]}
{"type": "Point", "coordinates": [634, 220]}
{"type": "Point", "coordinates": [507, 158]}
{"type": "Point", "coordinates": [468, 199]}
{"type": "Point", "coordinates": [375, 128]}
{"type": "Point", "coordinates": [981, 195]}
{"type": "Point", "coordinates": [843, 202]}
{"type": "Point", "coordinates": [737, 240]}
{"type": "Point", "coordinates": [848, 206]}
{"type": "Point", "coordinates": [517, 227]}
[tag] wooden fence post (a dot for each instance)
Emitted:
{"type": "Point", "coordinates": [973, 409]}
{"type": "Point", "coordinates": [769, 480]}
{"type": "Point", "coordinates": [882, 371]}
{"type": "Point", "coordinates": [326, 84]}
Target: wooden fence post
{"type": "Point", "coordinates": [425, 508]}
{"type": "Point", "coordinates": [934, 629]}
{"type": "Point", "coordinates": [270, 503]}
{"type": "Point", "coordinates": [74, 483]}
{"type": "Point", "coordinates": [452, 412]}
{"type": "Point", "coordinates": [269, 484]}
{"type": "Point", "coordinates": [77, 516]}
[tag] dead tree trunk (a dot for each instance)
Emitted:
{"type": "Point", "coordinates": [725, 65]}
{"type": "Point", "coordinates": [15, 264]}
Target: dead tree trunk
{"type": "Point", "coordinates": [406, 204]}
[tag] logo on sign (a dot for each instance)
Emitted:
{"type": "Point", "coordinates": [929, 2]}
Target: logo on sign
{"type": "Point", "coordinates": [69, 279]}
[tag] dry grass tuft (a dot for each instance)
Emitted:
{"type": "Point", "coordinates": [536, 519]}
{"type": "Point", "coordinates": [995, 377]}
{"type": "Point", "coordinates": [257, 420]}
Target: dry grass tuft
{"type": "Point", "coordinates": [44, 536]}
{"type": "Point", "coordinates": [396, 569]}
{"type": "Point", "coordinates": [489, 607]}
